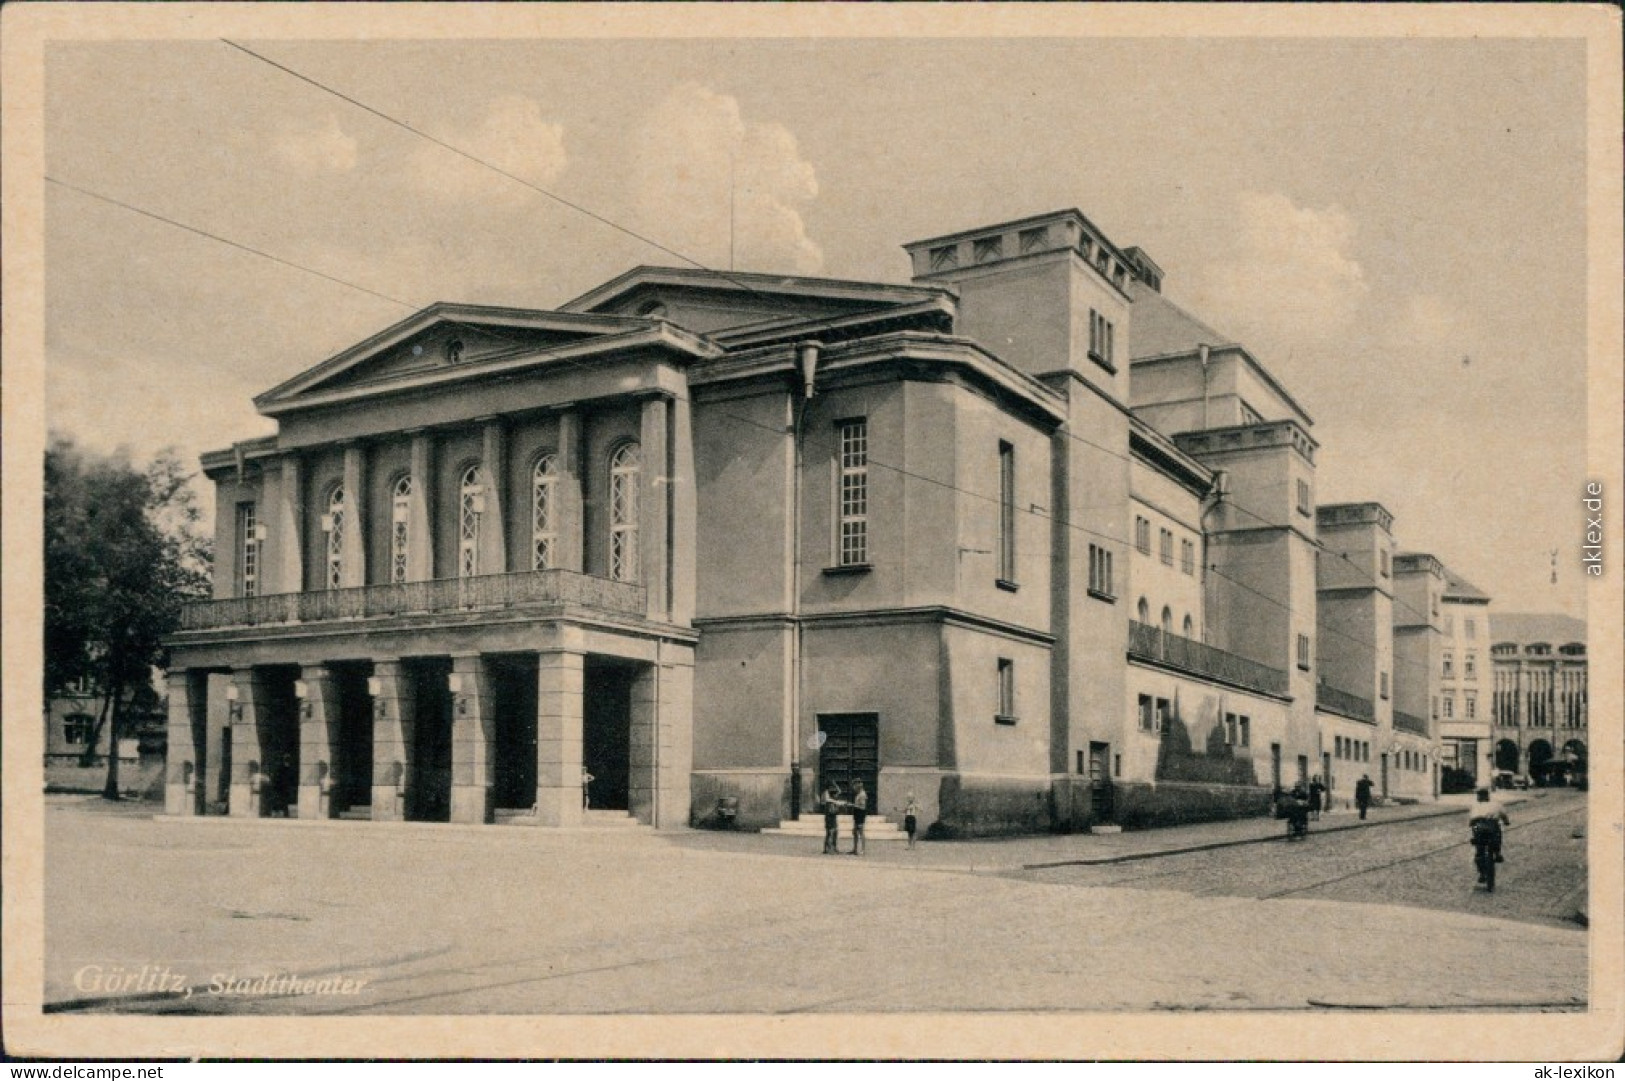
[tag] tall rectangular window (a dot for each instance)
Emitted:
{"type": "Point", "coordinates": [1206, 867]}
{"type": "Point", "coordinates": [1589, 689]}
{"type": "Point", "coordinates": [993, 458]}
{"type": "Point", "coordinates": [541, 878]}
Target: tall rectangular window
{"type": "Point", "coordinates": [1007, 514]}
{"type": "Point", "coordinates": [1007, 691]}
{"type": "Point", "coordinates": [248, 551]}
{"type": "Point", "coordinates": [1470, 705]}
{"type": "Point", "coordinates": [1303, 652]}
{"type": "Point", "coordinates": [1165, 541]}
{"type": "Point", "coordinates": [1142, 535]}
{"type": "Point", "coordinates": [1246, 731]}
{"type": "Point", "coordinates": [1146, 718]}
{"type": "Point", "coordinates": [853, 540]}
{"type": "Point", "coordinates": [1303, 497]}
{"type": "Point", "coordinates": [1472, 628]}
{"type": "Point", "coordinates": [1449, 669]}
{"type": "Point", "coordinates": [1100, 572]}
{"type": "Point", "coordinates": [1384, 685]}
{"type": "Point", "coordinates": [1470, 666]}
{"type": "Point", "coordinates": [1187, 557]}
{"type": "Point", "coordinates": [1449, 706]}
{"type": "Point", "coordinates": [1382, 558]}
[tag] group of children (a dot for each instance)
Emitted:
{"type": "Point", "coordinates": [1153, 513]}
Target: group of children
{"type": "Point", "coordinates": [858, 806]}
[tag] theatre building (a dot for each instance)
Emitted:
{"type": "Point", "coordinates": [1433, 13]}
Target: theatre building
{"type": "Point", "coordinates": [717, 540]}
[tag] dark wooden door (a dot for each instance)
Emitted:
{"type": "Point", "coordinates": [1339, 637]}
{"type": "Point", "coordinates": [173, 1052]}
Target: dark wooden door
{"type": "Point", "coordinates": [1100, 782]}
{"type": "Point", "coordinates": [850, 753]}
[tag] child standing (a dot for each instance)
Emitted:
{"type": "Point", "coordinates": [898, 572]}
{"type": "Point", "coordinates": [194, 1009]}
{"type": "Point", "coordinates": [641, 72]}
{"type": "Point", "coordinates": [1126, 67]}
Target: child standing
{"type": "Point", "coordinates": [911, 819]}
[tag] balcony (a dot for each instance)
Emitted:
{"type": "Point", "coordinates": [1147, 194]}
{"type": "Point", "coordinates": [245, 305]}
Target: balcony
{"type": "Point", "coordinates": [1404, 722]}
{"type": "Point", "coordinates": [1148, 643]}
{"type": "Point", "coordinates": [1344, 704]}
{"type": "Point", "coordinates": [489, 592]}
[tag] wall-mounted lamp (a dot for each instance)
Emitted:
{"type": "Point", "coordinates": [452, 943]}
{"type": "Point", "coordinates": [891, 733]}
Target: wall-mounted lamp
{"type": "Point", "coordinates": [232, 693]}
{"type": "Point", "coordinates": [301, 689]}
{"type": "Point", "coordinates": [327, 523]}
{"type": "Point", "coordinates": [375, 686]}
{"type": "Point", "coordinates": [401, 515]}
{"type": "Point", "coordinates": [261, 532]}
{"type": "Point", "coordinates": [476, 501]}
{"type": "Point", "coordinates": [454, 683]}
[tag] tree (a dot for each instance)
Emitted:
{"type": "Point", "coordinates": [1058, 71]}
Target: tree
{"type": "Point", "coordinates": [123, 552]}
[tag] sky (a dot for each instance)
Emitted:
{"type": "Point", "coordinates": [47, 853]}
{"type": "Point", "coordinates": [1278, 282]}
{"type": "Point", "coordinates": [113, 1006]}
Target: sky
{"type": "Point", "coordinates": [1395, 228]}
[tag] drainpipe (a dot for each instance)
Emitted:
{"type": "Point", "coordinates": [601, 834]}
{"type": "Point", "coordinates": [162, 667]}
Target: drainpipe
{"type": "Point", "coordinates": [1202, 355]}
{"type": "Point", "coordinates": [807, 367]}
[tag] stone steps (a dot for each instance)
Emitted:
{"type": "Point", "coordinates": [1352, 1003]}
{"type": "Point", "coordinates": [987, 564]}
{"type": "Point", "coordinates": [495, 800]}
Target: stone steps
{"type": "Point", "coordinates": [875, 828]}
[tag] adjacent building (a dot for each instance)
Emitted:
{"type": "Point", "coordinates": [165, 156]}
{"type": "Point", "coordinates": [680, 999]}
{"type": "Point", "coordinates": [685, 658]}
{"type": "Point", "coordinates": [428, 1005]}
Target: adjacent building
{"type": "Point", "coordinates": [1540, 699]}
{"type": "Point", "coordinates": [1020, 539]}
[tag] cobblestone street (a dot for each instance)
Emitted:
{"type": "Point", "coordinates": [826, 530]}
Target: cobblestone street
{"type": "Point", "coordinates": [506, 920]}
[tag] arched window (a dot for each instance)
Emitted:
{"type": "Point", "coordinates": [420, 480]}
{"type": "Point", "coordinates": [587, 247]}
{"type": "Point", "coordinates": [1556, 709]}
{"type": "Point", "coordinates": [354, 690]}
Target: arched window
{"type": "Point", "coordinates": [470, 509]}
{"type": "Point", "coordinates": [400, 529]}
{"type": "Point", "coordinates": [544, 533]}
{"type": "Point", "coordinates": [333, 522]}
{"type": "Point", "coordinates": [1188, 626]}
{"type": "Point", "coordinates": [624, 468]}
{"type": "Point", "coordinates": [1144, 611]}
{"type": "Point", "coordinates": [1167, 620]}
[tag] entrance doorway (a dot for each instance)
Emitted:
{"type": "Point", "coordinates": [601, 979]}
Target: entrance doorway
{"type": "Point", "coordinates": [1384, 775]}
{"type": "Point", "coordinates": [1100, 782]}
{"type": "Point", "coordinates": [428, 778]}
{"type": "Point", "coordinates": [850, 753]}
{"type": "Point", "coordinates": [278, 730]}
{"type": "Point", "coordinates": [513, 693]}
{"type": "Point", "coordinates": [1275, 765]}
{"type": "Point", "coordinates": [352, 739]}
{"type": "Point", "coordinates": [606, 732]}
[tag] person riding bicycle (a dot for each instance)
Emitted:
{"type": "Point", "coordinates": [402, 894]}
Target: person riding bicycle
{"type": "Point", "coordinates": [1485, 819]}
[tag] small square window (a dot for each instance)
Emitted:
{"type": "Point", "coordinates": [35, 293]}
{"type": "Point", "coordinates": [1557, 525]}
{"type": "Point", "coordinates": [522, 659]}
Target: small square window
{"type": "Point", "coordinates": [1032, 240]}
{"type": "Point", "coordinates": [945, 257]}
{"type": "Point", "coordinates": [987, 249]}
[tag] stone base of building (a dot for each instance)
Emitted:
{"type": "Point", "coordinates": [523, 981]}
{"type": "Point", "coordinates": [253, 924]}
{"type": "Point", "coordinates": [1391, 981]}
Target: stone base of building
{"type": "Point", "coordinates": [763, 798]}
{"type": "Point", "coordinates": [1141, 805]}
{"type": "Point", "coordinates": [972, 806]}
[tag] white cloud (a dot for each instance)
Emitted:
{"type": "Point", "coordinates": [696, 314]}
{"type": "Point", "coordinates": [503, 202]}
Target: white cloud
{"type": "Point", "coordinates": [1287, 279]}
{"type": "Point", "coordinates": [686, 149]}
{"type": "Point", "coordinates": [512, 135]}
{"type": "Point", "coordinates": [314, 147]}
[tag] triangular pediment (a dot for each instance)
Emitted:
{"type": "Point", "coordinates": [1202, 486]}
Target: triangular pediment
{"type": "Point", "coordinates": [445, 337]}
{"type": "Point", "coordinates": [712, 301]}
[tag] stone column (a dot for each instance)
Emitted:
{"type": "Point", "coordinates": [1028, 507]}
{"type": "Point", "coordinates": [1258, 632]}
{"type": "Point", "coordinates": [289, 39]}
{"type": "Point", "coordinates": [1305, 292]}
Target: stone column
{"type": "Point", "coordinates": [571, 510]}
{"type": "Point", "coordinates": [393, 711]}
{"type": "Point", "coordinates": [182, 774]}
{"type": "Point", "coordinates": [559, 683]}
{"type": "Point", "coordinates": [290, 532]}
{"type": "Point", "coordinates": [675, 762]}
{"type": "Point", "coordinates": [472, 738]}
{"type": "Point", "coordinates": [250, 773]}
{"type": "Point", "coordinates": [318, 724]}
{"type": "Point", "coordinates": [661, 753]}
{"type": "Point", "coordinates": [493, 531]}
{"type": "Point", "coordinates": [353, 570]}
{"type": "Point", "coordinates": [684, 520]}
{"type": "Point", "coordinates": [652, 508]}
{"type": "Point", "coordinates": [643, 753]}
{"type": "Point", "coordinates": [420, 528]}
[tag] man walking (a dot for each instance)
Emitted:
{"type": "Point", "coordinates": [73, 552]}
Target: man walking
{"type": "Point", "coordinates": [1362, 793]}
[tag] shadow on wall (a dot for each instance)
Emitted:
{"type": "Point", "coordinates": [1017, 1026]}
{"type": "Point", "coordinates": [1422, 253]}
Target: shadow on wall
{"type": "Point", "coordinates": [1216, 763]}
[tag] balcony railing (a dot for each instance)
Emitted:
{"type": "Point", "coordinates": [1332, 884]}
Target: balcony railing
{"type": "Point", "coordinates": [1407, 723]}
{"type": "Point", "coordinates": [482, 592]}
{"type": "Point", "coordinates": [1148, 643]}
{"type": "Point", "coordinates": [1344, 703]}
